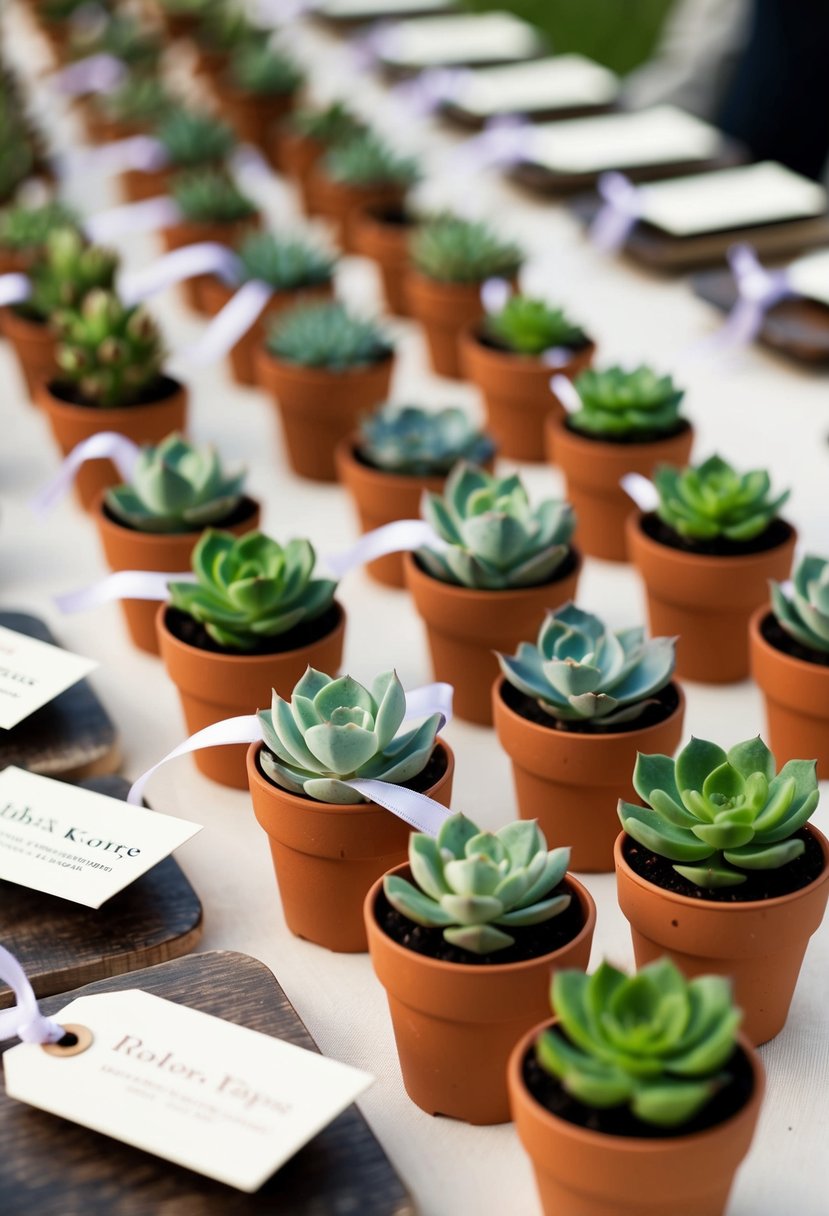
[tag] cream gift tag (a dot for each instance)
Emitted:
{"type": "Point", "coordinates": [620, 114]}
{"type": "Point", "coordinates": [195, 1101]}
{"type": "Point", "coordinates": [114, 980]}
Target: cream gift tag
{"type": "Point", "coordinates": [809, 276]}
{"type": "Point", "coordinates": [561, 82]}
{"type": "Point", "coordinates": [228, 1102]}
{"type": "Point", "coordinates": [78, 845]}
{"type": "Point", "coordinates": [32, 673]}
{"type": "Point", "coordinates": [367, 10]}
{"type": "Point", "coordinates": [661, 135]}
{"type": "Point", "coordinates": [470, 38]}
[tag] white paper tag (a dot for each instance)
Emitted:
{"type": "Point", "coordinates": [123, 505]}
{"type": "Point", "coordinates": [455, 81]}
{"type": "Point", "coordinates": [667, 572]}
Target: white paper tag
{"type": "Point", "coordinates": [220, 1099]}
{"type": "Point", "coordinates": [366, 10]}
{"type": "Point", "coordinates": [809, 276]}
{"type": "Point", "coordinates": [75, 844]}
{"type": "Point", "coordinates": [472, 38]}
{"type": "Point", "coordinates": [32, 673]}
{"type": "Point", "coordinates": [662, 135]}
{"type": "Point", "coordinates": [557, 83]}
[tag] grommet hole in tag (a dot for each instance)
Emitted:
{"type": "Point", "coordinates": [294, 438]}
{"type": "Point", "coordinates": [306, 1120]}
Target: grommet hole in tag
{"type": "Point", "coordinates": [76, 1039]}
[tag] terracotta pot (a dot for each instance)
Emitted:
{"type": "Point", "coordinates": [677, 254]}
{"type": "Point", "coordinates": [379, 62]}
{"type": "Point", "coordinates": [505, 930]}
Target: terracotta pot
{"type": "Point", "coordinates": [760, 943]}
{"type": "Point", "coordinates": [571, 783]}
{"type": "Point", "coordinates": [516, 392]}
{"type": "Point", "coordinates": [214, 294]}
{"type": "Point", "coordinates": [138, 184]}
{"type": "Point", "coordinates": [341, 203]}
{"type": "Point", "coordinates": [148, 423]}
{"type": "Point", "coordinates": [103, 130]}
{"type": "Point", "coordinates": [214, 686]}
{"type": "Point", "coordinates": [127, 549]}
{"type": "Point", "coordinates": [445, 310]}
{"type": "Point", "coordinates": [13, 261]}
{"type": "Point", "coordinates": [318, 407]}
{"type": "Point", "coordinates": [382, 233]}
{"type": "Point", "coordinates": [455, 1025]}
{"type": "Point", "coordinates": [189, 232]}
{"type": "Point", "coordinates": [705, 600]}
{"type": "Point", "coordinates": [34, 346]}
{"type": "Point", "coordinates": [592, 471]}
{"type": "Point", "coordinates": [796, 697]}
{"type": "Point", "coordinates": [326, 856]}
{"type": "Point", "coordinates": [254, 115]}
{"type": "Point", "coordinates": [464, 627]}
{"type": "Point", "coordinates": [586, 1173]}
{"type": "Point", "coordinates": [297, 156]}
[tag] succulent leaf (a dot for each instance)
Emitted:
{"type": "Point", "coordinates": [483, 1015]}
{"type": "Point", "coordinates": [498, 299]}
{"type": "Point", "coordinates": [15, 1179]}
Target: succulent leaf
{"type": "Point", "coordinates": [529, 326]}
{"type": "Point", "coordinates": [364, 159]}
{"type": "Point", "coordinates": [326, 335]}
{"type": "Point", "coordinates": [803, 611]}
{"type": "Point", "coordinates": [712, 500]}
{"type": "Point", "coordinates": [421, 443]}
{"type": "Point", "coordinates": [617, 402]}
{"type": "Point", "coordinates": [111, 352]}
{"type": "Point", "coordinates": [457, 250]}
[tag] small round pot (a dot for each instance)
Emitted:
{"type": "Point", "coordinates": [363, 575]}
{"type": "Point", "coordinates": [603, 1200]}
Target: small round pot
{"type": "Point", "coordinates": [341, 203]}
{"type": "Point", "coordinates": [455, 1025]}
{"type": "Point", "coordinates": [140, 184]}
{"type": "Point", "coordinates": [190, 232]}
{"type": "Point", "coordinates": [144, 423]}
{"type": "Point", "coordinates": [213, 686]}
{"type": "Point", "coordinates": [516, 392]}
{"type": "Point", "coordinates": [705, 600]}
{"type": "Point", "coordinates": [464, 627]}
{"type": "Point", "coordinates": [592, 471]}
{"type": "Point", "coordinates": [297, 156]}
{"type": "Point", "coordinates": [580, 1172]}
{"type": "Point", "coordinates": [796, 697]}
{"type": "Point", "coordinates": [382, 233]}
{"type": "Point", "coordinates": [253, 115]}
{"type": "Point", "coordinates": [126, 548]}
{"type": "Point", "coordinates": [760, 944]}
{"type": "Point", "coordinates": [445, 310]}
{"type": "Point", "coordinates": [34, 345]}
{"type": "Point", "coordinates": [318, 407]}
{"type": "Point", "coordinates": [326, 856]}
{"type": "Point", "coordinates": [571, 783]}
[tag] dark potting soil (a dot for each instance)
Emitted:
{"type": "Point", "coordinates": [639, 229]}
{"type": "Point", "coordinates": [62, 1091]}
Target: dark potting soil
{"type": "Point", "coordinates": [242, 512]}
{"type": "Point", "coordinates": [776, 636]}
{"type": "Point", "coordinates": [193, 633]}
{"type": "Point", "coordinates": [421, 783]}
{"type": "Point", "coordinates": [619, 1121]}
{"type": "Point", "coordinates": [531, 941]}
{"type": "Point", "coordinates": [777, 533]}
{"type": "Point", "coordinates": [158, 391]}
{"type": "Point", "coordinates": [664, 703]}
{"type": "Point", "coordinates": [487, 340]}
{"type": "Point", "coordinates": [393, 214]}
{"type": "Point", "coordinates": [571, 561]}
{"type": "Point", "coordinates": [759, 884]}
{"type": "Point", "coordinates": [651, 436]}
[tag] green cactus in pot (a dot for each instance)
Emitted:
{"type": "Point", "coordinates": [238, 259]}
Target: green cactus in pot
{"type": "Point", "coordinates": [191, 138]}
{"type": "Point", "coordinates": [364, 159]}
{"type": "Point", "coordinates": [326, 125]}
{"type": "Point", "coordinates": [26, 229]}
{"type": "Point", "coordinates": [259, 68]}
{"type": "Point", "coordinates": [452, 249]}
{"type": "Point", "coordinates": [66, 271]}
{"type": "Point", "coordinates": [711, 500]}
{"type": "Point", "coordinates": [415, 442]}
{"type": "Point", "coordinates": [285, 263]}
{"type": "Point", "coordinates": [208, 196]}
{"type": "Point", "coordinates": [326, 335]}
{"type": "Point", "coordinates": [529, 326]}
{"type": "Point", "coordinates": [803, 611]}
{"type": "Point", "coordinates": [616, 402]}
{"type": "Point", "coordinates": [112, 353]}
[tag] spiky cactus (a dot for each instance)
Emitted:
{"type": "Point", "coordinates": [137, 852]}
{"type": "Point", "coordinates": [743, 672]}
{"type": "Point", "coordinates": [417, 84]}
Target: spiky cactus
{"type": "Point", "coordinates": [111, 352]}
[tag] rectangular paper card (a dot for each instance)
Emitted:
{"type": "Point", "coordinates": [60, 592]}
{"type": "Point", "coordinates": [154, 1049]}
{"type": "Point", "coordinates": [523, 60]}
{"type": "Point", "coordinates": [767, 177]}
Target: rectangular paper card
{"type": "Point", "coordinates": [557, 83]}
{"type": "Point", "coordinates": [662, 135]}
{"type": "Point", "coordinates": [220, 1099]}
{"type": "Point", "coordinates": [32, 673]}
{"type": "Point", "coordinates": [76, 844]}
{"type": "Point", "coordinates": [809, 276]}
{"type": "Point", "coordinates": [365, 10]}
{"type": "Point", "coordinates": [429, 42]}
{"type": "Point", "coordinates": [731, 198]}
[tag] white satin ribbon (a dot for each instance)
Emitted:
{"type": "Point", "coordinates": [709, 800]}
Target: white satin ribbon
{"type": "Point", "coordinates": [93, 74]}
{"type": "Point", "coordinates": [506, 140]}
{"type": "Point", "coordinates": [141, 152]}
{"type": "Point", "coordinates": [106, 445]}
{"type": "Point", "coordinates": [146, 216]}
{"type": "Point", "coordinates": [122, 585]}
{"type": "Point", "coordinates": [244, 729]}
{"type": "Point", "coordinates": [623, 204]}
{"type": "Point", "coordinates": [229, 324]}
{"type": "Point", "coordinates": [204, 257]}
{"type": "Point", "coordinates": [371, 45]}
{"type": "Point", "coordinates": [758, 290]}
{"type": "Point", "coordinates": [422, 95]}
{"type": "Point", "coordinates": [565, 391]}
{"type": "Point", "coordinates": [24, 1021]}
{"type": "Point", "coordinates": [403, 535]}
{"type": "Point", "coordinates": [641, 490]}
{"type": "Point", "coordinates": [14, 289]}
{"type": "Point", "coordinates": [495, 295]}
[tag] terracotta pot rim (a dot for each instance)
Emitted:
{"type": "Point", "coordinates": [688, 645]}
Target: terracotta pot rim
{"type": "Point", "coordinates": [346, 452]}
{"type": "Point", "coordinates": [322, 375]}
{"type": "Point", "coordinates": [473, 593]}
{"type": "Point", "coordinates": [630, 1144]}
{"type": "Point", "coordinates": [471, 335]}
{"type": "Point", "coordinates": [448, 285]}
{"type": "Point", "coordinates": [558, 426]}
{"type": "Point", "coordinates": [12, 319]}
{"type": "Point", "coordinates": [780, 656]}
{"type": "Point", "coordinates": [241, 658]}
{"type": "Point", "coordinates": [735, 909]}
{"type": "Point", "coordinates": [633, 525]}
{"type": "Point", "coordinates": [105, 520]}
{"type": "Point", "coordinates": [75, 410]}
{"type": "Point", "coordinates": [498, 970]}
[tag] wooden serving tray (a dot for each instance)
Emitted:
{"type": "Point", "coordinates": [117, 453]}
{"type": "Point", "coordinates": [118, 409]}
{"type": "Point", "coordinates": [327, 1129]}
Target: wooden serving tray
{"type": "Point", "coordinates": [51, 1167]}
{"type": "Point", "coordinates": [796, 327]}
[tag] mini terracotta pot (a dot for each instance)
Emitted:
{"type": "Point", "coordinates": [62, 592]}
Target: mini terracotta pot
{"type": "Point", "coordinates": [297, 156]}
{"type": "Point", "coordinates": [341, 203]}
{"type": "Point", "coordinates": [34, 345]}
{"type": "Point", "coordinates": [571, 783]}
{"type": "Point", "coordinates": [213, 686]}
{"type": "Point", "coordinates": [760, 944]}
{"type": "Point", "coordinates": [146, 423]}
{"type": "Point", "coordinates": [138, 184]}
{"type": "Point", "coordinates": [516, 392]}
{"type": "Point", "coordinates": [592, 471]}
{"type": "Point", "coordinates": [464, 627]}
{"type": "Point", "coordinates": [254, 115]}
{"type": "Point", "coordinates": [189, 232]}
{"type": "Point", "coordinates": [796, 697]}
{"type": "Point", "coordinates": [318, 407]}
{"type": "Point", "coordinates": [326, 856]}
{"type": "Point", "coordinates": [382, 233]}
{"type": "Point", "coordinates": [445, 310]}
{"type": "Point", "coordinates": [128, 549]}
{"type": "Point", "coordinates": [455, 1025]}
{"type": "Point", "coordinates": [705, 600]}
{"type": "Point", "coordinates": [586, 1173]}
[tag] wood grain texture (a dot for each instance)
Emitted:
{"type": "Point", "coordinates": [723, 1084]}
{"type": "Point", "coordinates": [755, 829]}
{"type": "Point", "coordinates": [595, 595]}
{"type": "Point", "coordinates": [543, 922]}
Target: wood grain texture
{"type": "Point", "coordinates": [63, 945]}
{"type": "Point", "coordinates": [71, 737]}
{"type": "Point", "coordinates": [50, 1167]}
{"type": "Point", "coordinates": [797, 328]}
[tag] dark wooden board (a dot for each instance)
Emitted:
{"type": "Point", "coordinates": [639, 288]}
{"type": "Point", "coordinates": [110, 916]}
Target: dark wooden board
{"type": "Point", "coordinates": [796, 327]}
{"type": "Point", "coordinates": [62, 945]}
{"type": "Point", "coordinates": [50, 1167]}
{"type": "Point", "coordinates": [71, 737]}
{"type": "Point", "coordinates": [455, 114]}
{"type": "Point", "coordinates": [347, 25]}
{"type": "Point", "coordinates": [541, 180]}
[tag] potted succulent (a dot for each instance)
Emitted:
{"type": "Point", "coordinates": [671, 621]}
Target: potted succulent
{"type": "Point", "coordinates": [451, 259]}
{"type": "Point", "coordinates": [706, 554]}
{"type": "Point", "coordinates": [24, 231]}
{"type": "Point", "coordinates": [109, 378]}
{"type": "Point", "coordinates": [303, 139]}
{"type": "Point", "coordinates": [324, 368]}
{"type": "Point", "coordinates": [258, 89]}
{"type": "Point", "coordinates": [133, 107]}
{"type": "Point", "coordinates": [153, 521]}
{"type": "Point", "coordinates": [510, 356]}
{"type": "Point", "coordinates": [789, 643]}
{"type": "Point", "coordinates": [398, 453]}
{"type": "Point", "coordinates": [722, 871]}
{"type": "Point", "coordinates": [496, 567]}
{"type": "Point", "coordinates": [329, 843]}
{"type": "Point", "coordinates": [188, 139]}
{"type": "Point", "coordinates": [220, 30]}
{"type": "Point", "coordinates": [572, 712]}
{"type": "Point", "coordinates": [294, 268]}
{"type": "Point", "coordinates": [640, 1096]}
{"type": "Point", "coordinates": [628, 422]}
{"type": "Point", "coordinates": [180, 17]}
{"type": "Point", "coordinates": [383, 232]}
{"type": "Point", "coordinates": [358, 171]}
{"type": "Point", "coordinates": [464, 939]}
{"type": "Point", "coordinates": [253, 620]}
{"type": "Point", "coordinates": [18, 160]}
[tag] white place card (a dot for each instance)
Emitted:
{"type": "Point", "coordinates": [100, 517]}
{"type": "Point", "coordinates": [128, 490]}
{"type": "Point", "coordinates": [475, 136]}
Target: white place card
{"type": "Point", "coordinates": [661, 135]}
{"type": "Point", "coordinates": [366, 10]}
{"type": "Point", "coordinates": [32, 673]}
{"type": "Point", "coordinates": [731, 198]}
{"type": "Point", "coordinates": [559, 82]}
{"type": "Point", "coordinates": [809, 276]}
{"type": "Point", "coordinates": [78, 845]}
{"type": "Point", "coordinates": [220, 1099]}
{"type": "Point", "coordinates": [430, 42]}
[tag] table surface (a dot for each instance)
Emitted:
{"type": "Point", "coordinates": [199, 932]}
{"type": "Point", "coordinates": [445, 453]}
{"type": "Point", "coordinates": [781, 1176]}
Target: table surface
{"type": "Point", "coordinates": [752, 408]}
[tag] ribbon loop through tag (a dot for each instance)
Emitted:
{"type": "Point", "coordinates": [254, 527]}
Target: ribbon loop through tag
{"type": "Point", "coordinates": [24, 1021]}
{"type": "Point", "coordinates": [505, 141]}
{"type": "Point", "coordinates": [641, 490]}
{"type": "Point", "coordinates": [566, 393]}
{"type": "Point", "coordinates": [401, 536]}
{"type": "Point", "coordinates": [106, 445]}
{"type": "Point", "coordinates": [230, 324]}
{"type": "Point", "coordinates": [146, 216]}
{"type": "Point", "coordinates": [622, 206]}
{"type": "Point", "coordinates": [203, 257]}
